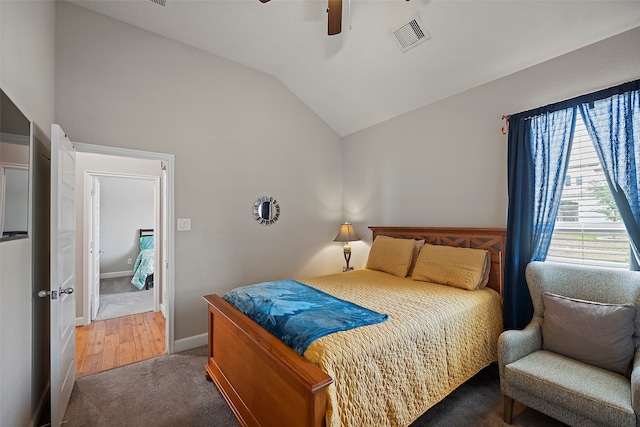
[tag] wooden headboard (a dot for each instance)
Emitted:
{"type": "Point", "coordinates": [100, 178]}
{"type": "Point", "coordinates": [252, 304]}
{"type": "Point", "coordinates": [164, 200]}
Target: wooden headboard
{"type": "Point", "coordinates": [491, 239]}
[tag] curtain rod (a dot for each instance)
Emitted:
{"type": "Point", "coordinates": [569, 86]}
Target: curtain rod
{"type": "Point", "coordinates": [582, 99]}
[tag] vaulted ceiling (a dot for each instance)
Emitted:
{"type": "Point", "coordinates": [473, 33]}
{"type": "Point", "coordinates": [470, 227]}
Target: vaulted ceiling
{"type": "Point", "coordinates": [361, 76]}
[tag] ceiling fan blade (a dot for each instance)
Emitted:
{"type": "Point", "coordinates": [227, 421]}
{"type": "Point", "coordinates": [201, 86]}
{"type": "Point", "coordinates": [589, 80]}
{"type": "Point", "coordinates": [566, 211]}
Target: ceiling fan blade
{"type": "Point", "coordinates": [334, 16]}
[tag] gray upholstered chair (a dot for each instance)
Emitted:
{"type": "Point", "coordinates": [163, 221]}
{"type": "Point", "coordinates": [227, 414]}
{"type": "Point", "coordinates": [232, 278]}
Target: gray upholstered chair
{"type": "Point", "coordinates": [576, 393]}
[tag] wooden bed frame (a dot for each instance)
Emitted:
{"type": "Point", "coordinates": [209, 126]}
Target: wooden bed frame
{"type": "Point", "coordinates": [267, 383]}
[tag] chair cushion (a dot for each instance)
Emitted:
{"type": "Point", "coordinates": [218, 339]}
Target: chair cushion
{"type": "Point", "coordinates": [597, 393]}
{"type": "Point", "coordinates": [595, 333]}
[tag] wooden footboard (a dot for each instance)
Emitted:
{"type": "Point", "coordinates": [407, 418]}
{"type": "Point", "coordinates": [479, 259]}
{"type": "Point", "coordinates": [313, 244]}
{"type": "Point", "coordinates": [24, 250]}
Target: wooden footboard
{"type": "Point", "coordinates": [264, 382]}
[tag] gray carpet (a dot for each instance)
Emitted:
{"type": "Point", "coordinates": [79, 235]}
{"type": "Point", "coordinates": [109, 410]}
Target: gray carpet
{"type": "Point", "coordinates": [118, 297]}
{"type": "Point", "coordinates": [172, 391]}
{"type": "Point", "coordinates": [125, 304]}
{"type": "Point", "coordinates": [166, 391]}
{"type": "Point", "coordinates": [117, 285]}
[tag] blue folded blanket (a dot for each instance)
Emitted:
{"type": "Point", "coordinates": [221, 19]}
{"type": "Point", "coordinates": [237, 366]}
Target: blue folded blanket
{"type": "Point", "coordinates": [299, 314]}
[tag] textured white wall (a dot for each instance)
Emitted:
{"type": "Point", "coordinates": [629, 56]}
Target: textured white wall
{"type": "Point", "coordinates": [27, 76]}
{"type": "Point", "coordinates": [126, 206]}
{"type": "Point", "coordinates": [237, 134]}
{"type": "Point", "coordinates": [446, 164]}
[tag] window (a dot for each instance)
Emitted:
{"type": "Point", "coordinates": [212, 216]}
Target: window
{"type": "Point", "coordinates": [588, 227]}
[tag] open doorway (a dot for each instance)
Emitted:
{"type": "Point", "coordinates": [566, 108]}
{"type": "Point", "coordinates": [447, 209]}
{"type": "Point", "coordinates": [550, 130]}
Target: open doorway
{"type": "Point", "coordinates": [109, 245]}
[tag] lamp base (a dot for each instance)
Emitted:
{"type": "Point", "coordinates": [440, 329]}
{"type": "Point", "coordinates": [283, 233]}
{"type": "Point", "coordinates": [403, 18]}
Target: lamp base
{"type": "Point", "coordinates": [347, 258]}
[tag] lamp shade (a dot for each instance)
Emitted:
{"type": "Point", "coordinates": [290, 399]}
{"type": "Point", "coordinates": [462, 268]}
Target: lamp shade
{"type": "Point", "coordinates": [346, 233]}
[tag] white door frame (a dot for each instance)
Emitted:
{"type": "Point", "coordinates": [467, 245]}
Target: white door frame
{"type": "Point", "coordinates": [91, 218]}
{"type": "Point", "coordinates": [87, 302]}
{"type": "Point", "coordinates": [169, 278]}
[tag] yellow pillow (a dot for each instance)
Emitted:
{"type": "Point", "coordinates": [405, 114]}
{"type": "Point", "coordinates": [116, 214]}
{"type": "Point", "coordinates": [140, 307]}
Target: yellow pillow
{"type": "Point", "coordinates": [391, 255]}
{"type": "Point", "coordinates": [460, 267]}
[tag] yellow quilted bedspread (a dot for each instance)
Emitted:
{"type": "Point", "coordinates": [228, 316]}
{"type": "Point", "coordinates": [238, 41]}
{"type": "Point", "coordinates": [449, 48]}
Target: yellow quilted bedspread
{"type": "Point", "coordinates": [390, 373]}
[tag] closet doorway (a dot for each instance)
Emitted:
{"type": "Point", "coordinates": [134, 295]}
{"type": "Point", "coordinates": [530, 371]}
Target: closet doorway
{"type": "Point", "coordinates": [119, 193]}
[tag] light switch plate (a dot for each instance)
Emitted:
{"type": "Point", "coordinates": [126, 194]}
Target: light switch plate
{"type": "Point", "coordinates": [184, 224]}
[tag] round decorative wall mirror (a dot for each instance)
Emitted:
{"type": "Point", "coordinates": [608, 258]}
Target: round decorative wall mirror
{"type": "Point", "coordinates": [266, 210]}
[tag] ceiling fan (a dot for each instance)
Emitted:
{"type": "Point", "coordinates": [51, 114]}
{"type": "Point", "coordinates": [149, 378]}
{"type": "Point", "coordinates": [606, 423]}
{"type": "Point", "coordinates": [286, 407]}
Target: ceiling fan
{"type": "Point", "coordinates": [334, 11]}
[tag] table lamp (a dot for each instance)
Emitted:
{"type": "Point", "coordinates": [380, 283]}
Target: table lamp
{"type": "Point", "coordinates": [346, 234]}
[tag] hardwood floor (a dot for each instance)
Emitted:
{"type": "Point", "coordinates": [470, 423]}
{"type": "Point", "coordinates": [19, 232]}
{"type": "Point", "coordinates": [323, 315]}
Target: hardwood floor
{"type": "Point", "coordinates": [108, 344]}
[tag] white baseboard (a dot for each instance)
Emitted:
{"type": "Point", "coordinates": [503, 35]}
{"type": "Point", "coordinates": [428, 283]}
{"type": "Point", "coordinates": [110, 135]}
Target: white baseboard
{"type": "Point", "coordinates": [190, 342]}
{"type": "Point", "coordinates": [116, 274]}
{"type": "Point", "coordinates": [81, 321]}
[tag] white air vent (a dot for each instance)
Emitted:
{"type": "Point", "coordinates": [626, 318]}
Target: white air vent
{"type": "Point", "coordinates": [410, 34]}
{"type": "Point", "coordinates": [160, 2]}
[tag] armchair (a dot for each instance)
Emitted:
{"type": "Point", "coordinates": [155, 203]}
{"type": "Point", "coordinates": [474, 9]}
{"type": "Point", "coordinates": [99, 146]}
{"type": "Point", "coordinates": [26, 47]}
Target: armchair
{"type": "Point", "coordinates": [569, 390]}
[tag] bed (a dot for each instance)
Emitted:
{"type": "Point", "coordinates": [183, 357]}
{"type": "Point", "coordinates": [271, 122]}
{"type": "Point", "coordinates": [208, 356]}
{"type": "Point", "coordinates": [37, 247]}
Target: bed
{"type": "Point", "coordinates": [145, 263]}
{"type": "Point", "coordinates": [362, 376]}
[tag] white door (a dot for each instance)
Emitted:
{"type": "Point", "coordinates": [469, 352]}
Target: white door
{"type": "Point", "coordinates": [63, 279]}
{"type": "Point", "coordinates": [95, 246]}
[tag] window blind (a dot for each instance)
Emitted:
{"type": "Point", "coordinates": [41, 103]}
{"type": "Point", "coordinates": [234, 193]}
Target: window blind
{"type": "Point", "coordinates": [588, 227]}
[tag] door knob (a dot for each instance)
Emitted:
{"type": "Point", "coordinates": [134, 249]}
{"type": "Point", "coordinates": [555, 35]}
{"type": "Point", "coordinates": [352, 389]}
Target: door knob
{"type": "Point", "coordinates": [44, 294]}
{"type": "Point", "coordinates": [47, 293]}
{"type": "Point", "coordinates": [54, 294]}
